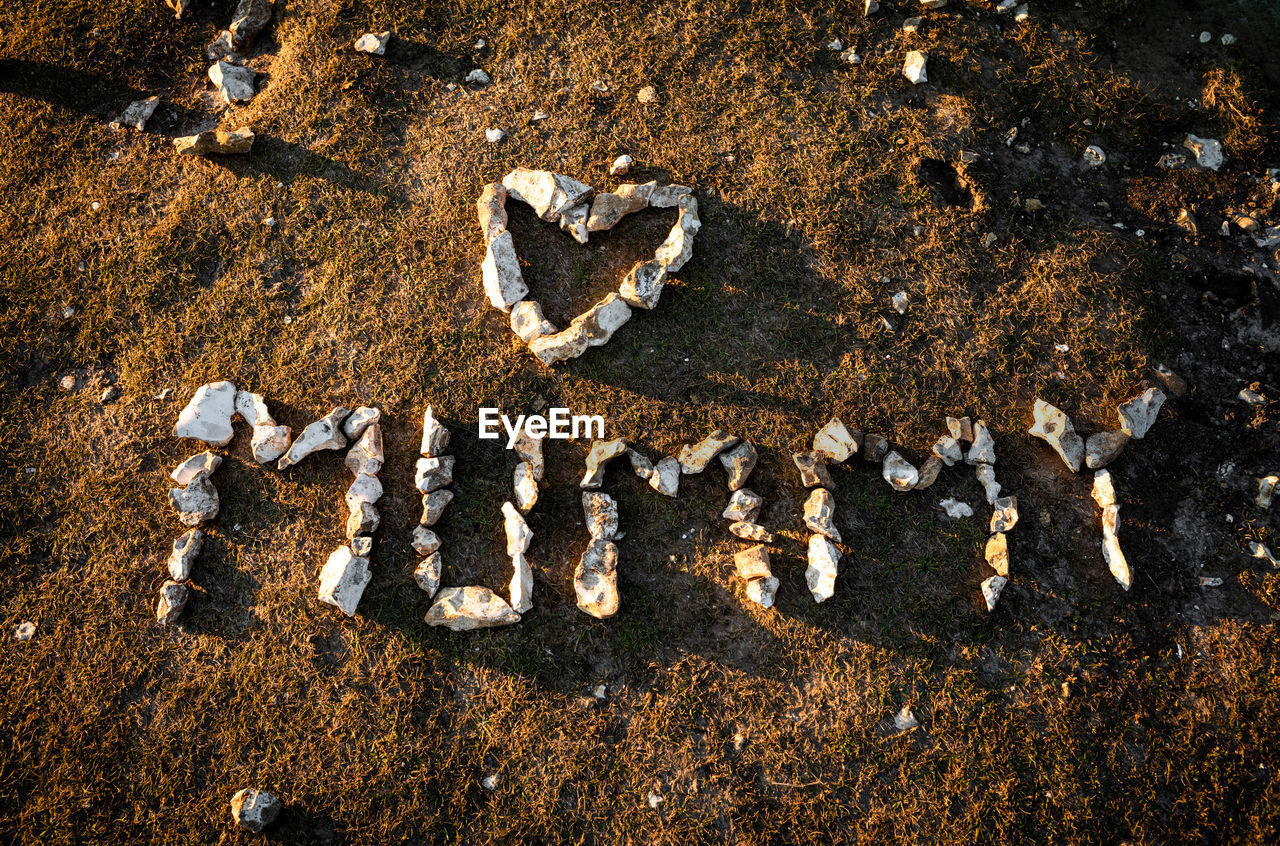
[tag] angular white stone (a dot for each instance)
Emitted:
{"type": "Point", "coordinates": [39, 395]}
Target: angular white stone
{"type": "Point", "coordinates": [173, 598]}
{"type": "Point", "coordinates": [235, 83]}
{"type": "Point", "coordinates": [269, 442]}
{"type": "Point", "coordinates": [1138, 414]}
{"type": "Point", "coordinates": [366, 455]}
{"type": "Point", "coordinates": [491, 209]}
{"type": "Point", "coordinates": [343, 580]}
{"type": "Point", "coordinates": [642, 286]}
{"type": "Point", "coordinates": [361, 546]}
{"type": "Point", "coordinates": [500, 270]}
{"type": "Point", "coordinates": [752, 562]}
{"type": "Point", "coordinates": [601, 513]}
{"type": "Point", "coordinates": [463, 609]}
{"type": "Point", "coordinates": [899, 473]}
{"type": "Point", "coordinates": [359, 420]}
{"type": "Point", "coordinates": [904, 720]}
{"type": "Point", "coordinates": [929, 472]}
{"type": "Point", "coordinates": [991, 590]}
{"type": "Point", "coordinates": [960, 429]}
{"type": "Point", "coordinates": [363, 520]}
{"type": "Point", "coordinates": [249, 19]}
{"type": "Point", "coordinates": [529, 449]}
{"type": "Point", "coordinates": [676, 251]}
{"type": "Point", "coordinates": [813, 470]}
{"type": "Point", "coordinates": [744, 506]}
{"type": "Point", "coordinates": [987, 478]}
{"type": "Point", "coordinates": [751, 531]}
{"type": "Point", "coordinates": [666, 476]}
{"type": "Point", "coordinates": [549, 194]}
{"type": "Point", "coordinates": [525, 484]}
{"type": "Point", "coordinates": [208, 416]}
{"type": "Point", "coordinates": [835, 441]}
{"type": "Point", "coordinates": [435, 437]}
{"type": "Point", "coordinates": [1053, 427]}
{"type": "Point", "coordinates": [433, 505]}
{"type": "Point", "coordinates": [608, 208]}
{"type": "Point", "coordinates": [215, 141]}
{"type": "Point", "coordinates": [819, 511]}
{"type": "Point", "coordinates": [738, 463]}
{"type": "Point", "coordinates": [254, 810]}
{"type": "Point", "coordinates": [983, 450]}
{"type": "Point", "coordinates": [365, 488]}
{"type": "Point", "coordinates": [325, 433]}
{"type": "Point", "coordinates": [598, 458]}
{"type": "Point", "coordinates": [955, 509]}
{"type": "Point", "coordinates": [592, 328]}
{"type": "Point", "coordinates": [427, 573]}
{"type": "Point", "coordinates": [1266, 490]}
{"type": "Point", "coordinates": [518, 533]}
{"type": "Point", "coordinates": [1208, 151]}
{"type": "Point", "coordinates": [527, 321]}
{"type": "Point", "coordinates": [667, 196]}
{"type": "Point", "coordinates": [137, 113]}
{"type": "Point", "coordinates": [373, 43]}
{"type": "Point", "coordinates": [621, 165]}
{"type": "Point", "coordinates": [574, 222]}
{"type": "Point", "coordinates": [824, 566]}
{"type": "Point", "coordinates": [253, 409]}
{"type": "Point", "coordinates": [695, 458]}
{"type": "Point", "coordinates": [763, 591]}
{"type": "Point", "coordinates": [640, 465]}
{"type": "Point", "coordinates": [204, 461]}
{"type": "Point", "coordinates": [914, 67]}
{"type": "Point", "coordinates": [197, 502]}
{"type": "Point", "coordinates": [1101, 448]}
{"type": "Point", "coordinates": [997, 553]}
{"type": "Point", "coordinates": [875, 448]}
{"type": "Point", "coordinates": [494, 135]}
{"type": "Point", "coordinates": [185, 550]}
{"type": "Point", "coordinates": [1261, 550]}
{"type": "Point", "coordinates": [477, 77]}
{"type": "Point", "coordinates": [521, 587]}
{"type": "Point", "coordinates": [595, 580]}
{"type": "Point", "coordinates": [433, 473]}
{"type": "Point", "coordinates": [1004, 514]}
{"type": "Point", "coordinates": [424, 541]}
{"type": "Point", "coordinates": [947, 449]}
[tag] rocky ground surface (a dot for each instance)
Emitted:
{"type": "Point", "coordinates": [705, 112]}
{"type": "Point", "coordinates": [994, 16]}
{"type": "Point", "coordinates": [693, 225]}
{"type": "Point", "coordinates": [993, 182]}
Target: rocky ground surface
{"type": "Point", "coordinates": [1022, 214]}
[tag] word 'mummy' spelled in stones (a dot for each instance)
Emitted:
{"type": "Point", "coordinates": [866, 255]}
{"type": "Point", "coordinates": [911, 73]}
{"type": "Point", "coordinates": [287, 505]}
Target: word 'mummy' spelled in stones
{"type": "Point", "coordinates": [578, 210]}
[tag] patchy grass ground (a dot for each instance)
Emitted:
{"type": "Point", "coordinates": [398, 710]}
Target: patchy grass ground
{"type": "Point", "coordinates": [1075, 713]}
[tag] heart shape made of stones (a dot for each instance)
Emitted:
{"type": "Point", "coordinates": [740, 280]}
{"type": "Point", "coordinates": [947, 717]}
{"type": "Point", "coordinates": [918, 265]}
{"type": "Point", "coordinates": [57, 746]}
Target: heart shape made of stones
{"type": "Point", "coordinates": [579, 211]}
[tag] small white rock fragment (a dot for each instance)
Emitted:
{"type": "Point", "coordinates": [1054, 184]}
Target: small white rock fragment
{"type": "Point", "coordinates": [215, 141]}
{"type": "Point", "coordinates": [173, 598]}
{"type": "Point", "coordinates": [986, 475]}
{"type": "Point", "coordinates": [1260, 550]}
{"type": "Point", "coordinates": [1094, 155]}
{"type": "Point", "coordinates": [763, 591]}
{"type": "Point", "coordinates": [835, 441]}
{"type": "Point", "coordinates": [373, 43]}
{"type": "Point", "coordinates": [427, 574]}
{"type": "Point", "coordinates": [1208, 151]}
{"type": "Point", "coordinates": [744, 506]}
{"type": "Point", "coordinates": [914, 67]}
{"type": "Point", "coordinates": [431, 474]}
{"type": "Point", "coordinates": [601, 513]}
{"type": "Point", "coordinates": [491, 782]}
{"type": "Point", "coordinates": [598, 458]}
{"type": "Point", "coordinates": [1266, 490]}
{"type": "Point", "coordinates": [1138, 414]}
{"type": "Point", "coordinates": [525, 484]}
{"type": "Point", "coordinates": [738, 463]}
{"type": "Point", "coordinates": [467, 608]}
{"type": "Point", "coordinates": [997, 554]}
{"type": "Point", "coordinates": [948, 450]}
{"type": "Point", "coordinates": [647, 94]}
{"type": "Point", "coordinates": [366, 455]}
{"type": "Point", "coordinates": [435, 437]}
{"type": "Point", "coordinates": [904, 720]}
{"type": "Point", "coordinates": [751, 531]}
{"type": "Point", "coordinates": [991, 590]}
{"type": "Point", "coordinates": [325, 433]}
{"type": "Point", "coordinates": [343, 580]}
{"type": "Point", "coordinates": [363, 520]}
{"type": "Point", "coordinates": [186, 471]}
{"type": "Point", "coordinates": [819, 513]}
{"type": "Point", "coordinates": [983, 450]}
{"type": "Point", "coordinates": [1251, 397]}
{"type": "Point", "coordinates": [901, 475]}
{"type": "Point", "coordinates": [424, 541]}
{"type": "Point", "coordinates": [433, 505]}
{"type": "Point", "coordinates": [365, 488]}
{"type": "Point", "coordinates": [477, 77]}
{"type": "Point", "coordinates": [813, 470]}
{"type": "Point", "coordinates": [955, 509]}
{"type": "Point", "coordinates": [235, 83]}
{"type": "Point", "coordinates": [1103, 447]}
{"type": "Point", "coordinates": [494, 135]}
{"type": "Point", "coordinates": [208, 416]}
{"type": "Point", "coordinates": [527, 321]}
{"type": "Point", "coordinates": [503, 281]}
{"type": "Point", "coordinates": [595, 580]}
{"type": "Point", "coordinates": [621, 165]}
{"type": "Point", "coordinates": [24, 631]}
{"type": "Point", "coordinates": [694, 459]}
{"type": "Point", "coordinates": [183, 555]}
{"type": "Point", "coordinates": [1056, 429]}
{"type": "Point", "coordinates": [359, 420]}
{"type": "Point", "coordinates": [136, 115]}
{"type": "Point", "coordinates": [1004, 514]}
{"type": "Point", "coordinates": [197, 502]}
{"type": "Point", "coordinates": [824, 567]}
{"type": "Point", "coordinates": [254, 810]}
{"type": "Point", "coordinates": [666, 476]}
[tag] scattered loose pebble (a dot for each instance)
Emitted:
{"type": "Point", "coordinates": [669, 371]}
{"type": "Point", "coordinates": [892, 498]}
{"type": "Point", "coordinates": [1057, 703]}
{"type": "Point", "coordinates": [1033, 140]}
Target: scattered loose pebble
{"type": "Point", "coordinates": [24, 631]}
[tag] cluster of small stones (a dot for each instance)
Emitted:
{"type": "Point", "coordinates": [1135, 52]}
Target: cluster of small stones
{"type": "Point", "coordinates": [1055, 428]}
{"type": "Point", "coordinates": [471, 607]}
{"type": "Point", "coordinates": [346, 573]}
{"type": "Point", "coordinates": [579, 211]}
{"type": "Point", "coordinates": [208, 418]}
{"type": "Point", "coordinates": [739, 458]}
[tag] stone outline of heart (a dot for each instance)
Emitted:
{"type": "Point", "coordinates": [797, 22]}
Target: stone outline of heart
{"type": "Point", "coordinates": [578, 210]}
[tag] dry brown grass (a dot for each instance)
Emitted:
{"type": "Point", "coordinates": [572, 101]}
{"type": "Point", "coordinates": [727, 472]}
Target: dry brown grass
{"type": "Point", "coordinates": [754, 726]}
